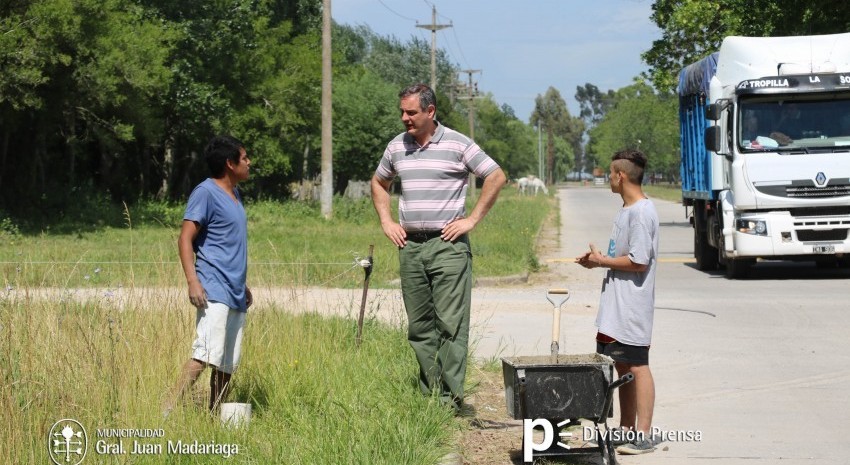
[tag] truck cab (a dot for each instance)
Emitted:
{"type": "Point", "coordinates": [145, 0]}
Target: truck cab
{"type": "Point", "coordinates": [765, 131]}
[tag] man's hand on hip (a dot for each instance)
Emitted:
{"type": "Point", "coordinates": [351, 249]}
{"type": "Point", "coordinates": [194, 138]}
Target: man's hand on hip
{"type": "Point", "coordinates": [457, 228]}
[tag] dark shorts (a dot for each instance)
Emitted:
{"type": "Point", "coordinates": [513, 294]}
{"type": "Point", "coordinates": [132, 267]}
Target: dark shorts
{"type": "Point", "coordinates": [624, 353]}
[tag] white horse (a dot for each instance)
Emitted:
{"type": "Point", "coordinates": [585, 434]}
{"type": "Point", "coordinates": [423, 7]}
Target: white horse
{"type": "Point", "coordinates": [537, 184]}
{"type": "Point", "coordinates": [522, 184]}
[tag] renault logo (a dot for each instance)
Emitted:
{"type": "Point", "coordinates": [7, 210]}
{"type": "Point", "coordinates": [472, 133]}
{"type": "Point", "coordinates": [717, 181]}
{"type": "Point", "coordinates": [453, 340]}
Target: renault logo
{"type": "Point", "coordinates": [820, 179]}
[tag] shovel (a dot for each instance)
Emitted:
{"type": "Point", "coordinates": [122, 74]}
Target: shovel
{"type": "Point", "coordinates": [563, 295]}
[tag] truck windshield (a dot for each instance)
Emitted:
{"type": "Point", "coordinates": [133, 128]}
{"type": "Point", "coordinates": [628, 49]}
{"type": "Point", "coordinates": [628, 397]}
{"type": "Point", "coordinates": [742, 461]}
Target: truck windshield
{"type": "Point", "coordinates": [770, 124]}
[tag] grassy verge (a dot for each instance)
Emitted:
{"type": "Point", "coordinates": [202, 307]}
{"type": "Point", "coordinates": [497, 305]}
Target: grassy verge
{"type": "Point", "coordinates": [316, 398]}
{"type": "Point", "coordinates": [289, 244]}
{"type": "Point", "coordinates": [664, 192]}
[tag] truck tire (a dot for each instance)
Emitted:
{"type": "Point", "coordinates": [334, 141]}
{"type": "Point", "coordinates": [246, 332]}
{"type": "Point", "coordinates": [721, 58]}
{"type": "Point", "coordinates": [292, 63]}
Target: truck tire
{"type": "Point", "coordinates": [705, 254]}
{"type": "Point", "coordinates": [738, 268]}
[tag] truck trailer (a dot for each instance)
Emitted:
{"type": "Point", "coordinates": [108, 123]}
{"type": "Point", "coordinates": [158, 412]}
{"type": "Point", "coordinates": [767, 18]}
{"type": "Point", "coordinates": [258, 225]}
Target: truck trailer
{"type": "Point", "coordinates": [765, 151]}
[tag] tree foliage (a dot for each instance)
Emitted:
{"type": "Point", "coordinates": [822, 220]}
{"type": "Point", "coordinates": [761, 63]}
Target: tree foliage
{"type": "Point", "coordinates": [553, 117]}
{"type": "Point", "coordinates": [504, 137]}
{"type": "Point", "coordinates": [691, 29]}
{"type": "Point", "coordinates": [644, 119]}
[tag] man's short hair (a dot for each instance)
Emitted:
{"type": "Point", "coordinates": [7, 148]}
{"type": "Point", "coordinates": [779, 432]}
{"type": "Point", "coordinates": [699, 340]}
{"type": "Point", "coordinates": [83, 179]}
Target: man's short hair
{"type": "Point", "coordinates": [634, 166]}
{"type": "Point", "coordinates": [219, 150]}
{"type": "Point", "coordinates": [426, 95]}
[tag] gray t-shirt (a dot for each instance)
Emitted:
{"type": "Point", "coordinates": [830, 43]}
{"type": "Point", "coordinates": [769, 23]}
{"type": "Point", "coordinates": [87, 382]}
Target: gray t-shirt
{"type": "Point", "coordinates": [628, 298]}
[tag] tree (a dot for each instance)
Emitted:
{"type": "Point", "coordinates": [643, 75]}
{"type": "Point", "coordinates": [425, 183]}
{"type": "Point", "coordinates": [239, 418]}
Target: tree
{"type": "Point", "coordinates": [644, 119]}
{"type": "Point", "coordinates": [694, 28]}
{"type": "Point", "coordinates": [406, 63]}
{"type": "Point", "coordinates": [551, 113]}
{"type": "Point", "coordinates": [593, 103]}
{"type": "Point", "coordinates": [505, 138]}
{"type": "Point", "coordinates": [593, 106]}
{"type": "Point", "coordinates": [365, 119]}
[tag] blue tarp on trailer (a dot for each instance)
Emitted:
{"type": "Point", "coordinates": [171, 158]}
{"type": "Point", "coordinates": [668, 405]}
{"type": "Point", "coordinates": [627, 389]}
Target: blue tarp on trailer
{"type": "Point", "coordinates": [696, 77]}
{"type": "Point", "coordinates": [693, 90]}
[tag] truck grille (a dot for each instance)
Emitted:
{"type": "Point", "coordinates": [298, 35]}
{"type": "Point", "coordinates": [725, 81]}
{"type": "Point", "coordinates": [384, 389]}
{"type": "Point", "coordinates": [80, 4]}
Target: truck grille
{"type": "Point", "coordinates": [817, 192]}
{"type": "Point", "coordinates": [821, 235]}
{"type": "Point", "coordinates": [806, 189]}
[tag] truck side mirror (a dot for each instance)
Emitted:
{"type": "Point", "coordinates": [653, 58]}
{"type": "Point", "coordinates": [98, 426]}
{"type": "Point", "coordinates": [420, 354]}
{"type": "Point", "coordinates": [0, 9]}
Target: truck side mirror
{"type": "Point", "coordinates": [712, 111]}
{"type": "Point", "coordinates": [714, 138]}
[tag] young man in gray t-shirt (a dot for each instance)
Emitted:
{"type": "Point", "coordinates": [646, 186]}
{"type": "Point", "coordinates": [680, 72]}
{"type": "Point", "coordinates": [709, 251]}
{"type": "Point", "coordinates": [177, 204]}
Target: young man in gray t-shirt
{"type": "Point", "coordinates": [628, 298]}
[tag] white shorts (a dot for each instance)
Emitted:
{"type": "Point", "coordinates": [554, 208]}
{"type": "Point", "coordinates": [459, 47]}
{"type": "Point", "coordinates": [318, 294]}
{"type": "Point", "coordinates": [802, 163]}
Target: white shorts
{"type": "Point", "coordinates": [219, 341]}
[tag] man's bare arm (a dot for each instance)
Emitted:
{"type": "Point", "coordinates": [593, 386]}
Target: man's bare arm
{"type": "Point", "coordinates": [381, 201]}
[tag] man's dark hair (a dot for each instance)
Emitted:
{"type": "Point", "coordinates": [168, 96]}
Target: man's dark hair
{"type": "Point", "coordinates": [219, 150]}
{"type": "Point", "coordinates": [634, 170]}
{"type": "Point", "coordinates": [426, 95]}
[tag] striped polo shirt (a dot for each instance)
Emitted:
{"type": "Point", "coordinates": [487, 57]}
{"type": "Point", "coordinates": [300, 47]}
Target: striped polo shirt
{"type": "Point", "coordinates": [434, 177]}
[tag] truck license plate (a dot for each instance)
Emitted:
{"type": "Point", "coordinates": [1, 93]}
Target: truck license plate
{"type": "Point", "coordinates": [823, 248]}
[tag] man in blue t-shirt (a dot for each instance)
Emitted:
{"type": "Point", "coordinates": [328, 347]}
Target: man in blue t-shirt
{"type": "Point", "coordinates": [213, 247]}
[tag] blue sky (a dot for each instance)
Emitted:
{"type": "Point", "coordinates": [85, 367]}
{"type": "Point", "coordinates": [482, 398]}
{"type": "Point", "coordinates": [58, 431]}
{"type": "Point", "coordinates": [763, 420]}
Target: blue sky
{"type": "Point", "coordinates": [523, 47]}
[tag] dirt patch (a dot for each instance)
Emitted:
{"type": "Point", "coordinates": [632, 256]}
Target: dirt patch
{"type": "Point", "coordinates": [488, 435]}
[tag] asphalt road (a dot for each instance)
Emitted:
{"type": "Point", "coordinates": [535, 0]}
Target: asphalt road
{"type": "Point", "coordinates": [757, 369]}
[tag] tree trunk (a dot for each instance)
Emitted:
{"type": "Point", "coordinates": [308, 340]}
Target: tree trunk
{"type": "Point", "coordinates": [550, 156]}
{"type": "Point", "coordinates": [105, 167]}
{"type": "Point", "coordinates": [167, 169]}
{"type": "Point", "coordinates": [186, 179]}
{"type": "Point", "coordinates": [304, 165]}
{"type": "Point", "coordinates": [4, 150]}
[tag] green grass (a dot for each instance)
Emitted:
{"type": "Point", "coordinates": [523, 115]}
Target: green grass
{"type": "Point", "coordinates": [289, 244]}
{"type": "Point", "coordinates": [317, 399]}
{"type": "Point", "coordinates": [664, 192]}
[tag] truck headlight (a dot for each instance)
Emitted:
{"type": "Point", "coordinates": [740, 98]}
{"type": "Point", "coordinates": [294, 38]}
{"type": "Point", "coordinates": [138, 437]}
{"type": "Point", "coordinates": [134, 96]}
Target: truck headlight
{"type": "Point", "coordinates": [755, 227]}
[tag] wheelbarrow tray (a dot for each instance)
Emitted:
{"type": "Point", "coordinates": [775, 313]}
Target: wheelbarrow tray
{"type": "Point", "coordinates": [562, 386]}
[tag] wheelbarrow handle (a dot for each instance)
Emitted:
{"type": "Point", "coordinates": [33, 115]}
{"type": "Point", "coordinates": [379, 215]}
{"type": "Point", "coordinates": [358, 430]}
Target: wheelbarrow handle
{"type": "Point", "coordinates": [626, 378]}
{"type": "Point", "coordinates": [609, 394]}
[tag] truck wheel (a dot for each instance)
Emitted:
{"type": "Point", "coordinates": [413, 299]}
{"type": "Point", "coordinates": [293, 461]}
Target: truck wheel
{"type": "Point", "coordinates": [705, 254]}
{"type": "Point", "coordinates": [738, 268]}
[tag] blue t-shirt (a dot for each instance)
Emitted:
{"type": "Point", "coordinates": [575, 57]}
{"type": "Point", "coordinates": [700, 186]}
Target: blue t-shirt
{"type": "Point", "coordinates": [221, 247]}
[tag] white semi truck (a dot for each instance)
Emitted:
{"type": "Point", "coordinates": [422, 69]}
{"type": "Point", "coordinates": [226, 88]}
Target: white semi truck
{"type": "Point", "coordinates": [765, 137]}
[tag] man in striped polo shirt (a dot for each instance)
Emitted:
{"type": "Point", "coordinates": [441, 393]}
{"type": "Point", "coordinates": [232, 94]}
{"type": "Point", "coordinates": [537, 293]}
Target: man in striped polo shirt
{"type": "Point", "coordinates": [433, 163]}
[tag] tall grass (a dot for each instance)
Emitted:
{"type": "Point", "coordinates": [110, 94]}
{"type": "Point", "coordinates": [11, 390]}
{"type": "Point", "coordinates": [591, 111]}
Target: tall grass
{"type": "Point", "coordinates": [316, 398]}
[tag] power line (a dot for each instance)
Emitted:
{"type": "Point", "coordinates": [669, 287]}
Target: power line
{"type": "Point", "coordinates": [460, 50]}
{"type": "Point", "coordinates": [395, 12]}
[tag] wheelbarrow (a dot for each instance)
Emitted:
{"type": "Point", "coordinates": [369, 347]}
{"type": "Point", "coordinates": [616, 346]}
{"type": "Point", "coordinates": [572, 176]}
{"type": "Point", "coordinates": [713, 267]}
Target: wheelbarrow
{"type": "Point", "coordinates": [554, 391]}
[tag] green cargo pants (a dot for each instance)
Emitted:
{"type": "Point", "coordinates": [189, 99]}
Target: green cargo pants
{"type": "Point", "coordinates": [436, 284]}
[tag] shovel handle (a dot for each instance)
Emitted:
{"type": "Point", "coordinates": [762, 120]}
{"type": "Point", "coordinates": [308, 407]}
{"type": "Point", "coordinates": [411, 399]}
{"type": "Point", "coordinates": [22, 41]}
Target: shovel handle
{"type": "Point", "coordinates": [556, 314]}
{"type": "Point", "coordinates": [556, 328]}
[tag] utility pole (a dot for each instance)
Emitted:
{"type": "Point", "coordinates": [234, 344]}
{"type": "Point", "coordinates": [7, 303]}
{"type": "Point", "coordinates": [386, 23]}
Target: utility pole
{"type": "Point", "coordinates": [327, 121]}
{"type": "Point", "coordinates": [433, 27]}
{"type": "Point", "coordinates": [540, 164]}
{"type": "Point", "coordinates": [473, 93]}
{"type": "Point", "coordinates": [472, 90]}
